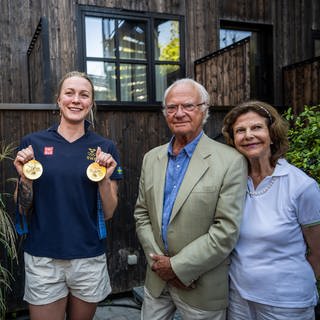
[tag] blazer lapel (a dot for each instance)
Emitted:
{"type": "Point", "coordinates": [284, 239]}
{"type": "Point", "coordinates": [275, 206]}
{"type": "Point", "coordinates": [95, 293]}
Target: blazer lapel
{"type": "Point", "coordinates": [197, 167]}
{"type": "Point", "coordinates": [159, 174]}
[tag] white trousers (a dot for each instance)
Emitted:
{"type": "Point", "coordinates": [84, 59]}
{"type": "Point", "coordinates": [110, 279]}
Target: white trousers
{"type": "Point", "coordinates": [241, 309]}
{"type": "Point", "coordinates": [164, 308]}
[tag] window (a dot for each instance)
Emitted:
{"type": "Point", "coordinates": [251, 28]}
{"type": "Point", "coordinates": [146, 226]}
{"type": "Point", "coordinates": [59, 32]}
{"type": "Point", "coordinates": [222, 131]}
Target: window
{"type": "Point", "coordinates": [131, 58]}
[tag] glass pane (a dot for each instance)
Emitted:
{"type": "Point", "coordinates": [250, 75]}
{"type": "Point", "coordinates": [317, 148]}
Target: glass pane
{"type": "Point", "coordinates": [94, 42]}
{"type": "Point", "coordinates": [165, 75]}
{"type": "Point", "coordinates": [228, 36]}
{"type": "Point", "coordinates": [109, 37]}
{"type": "Point", "coordinates": [167, 40]}
{"type": "Point", "coordinates": [103, 76]}
{"type": "Point", "coordinates": [133, 78]}
{"type": "Point", "coordinates": [132, 40]}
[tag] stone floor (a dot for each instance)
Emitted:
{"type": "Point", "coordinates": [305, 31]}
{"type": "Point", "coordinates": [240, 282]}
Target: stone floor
{"type": "Point", "coordinates": [125, 308]}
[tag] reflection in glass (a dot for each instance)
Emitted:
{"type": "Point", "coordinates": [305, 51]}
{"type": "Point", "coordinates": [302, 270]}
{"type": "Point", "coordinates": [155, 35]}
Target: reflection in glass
{"type": "Point", "coordinates": [166, 74]}
{"type": "Point", "coordinates": [132, 40]}
{"type": "Point", "coordinates": [167, 40]}
{"type": "Point", "coordinates": [109, 28]}
{"type": "Point", "coordinates": [133, 82]}
{"type": "Point", "coordinates": [103, 76]}
{"type": "Point", "coordinates": [94, 43]}
{"type": "Point", "coordinates": [228, 36]}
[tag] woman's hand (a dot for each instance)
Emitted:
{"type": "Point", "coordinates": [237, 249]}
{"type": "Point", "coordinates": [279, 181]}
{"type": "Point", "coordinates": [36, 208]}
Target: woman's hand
{"type": "Point", "coordinates": [24, 192]}
{"type": "Point", "coordinates": [106, 160]}
{"type": "Point", "coordinates": [22, 157]}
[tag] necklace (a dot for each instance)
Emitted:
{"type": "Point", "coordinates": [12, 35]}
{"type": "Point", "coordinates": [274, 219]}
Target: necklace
{"type": "Point", "coordinates": [263, 191]}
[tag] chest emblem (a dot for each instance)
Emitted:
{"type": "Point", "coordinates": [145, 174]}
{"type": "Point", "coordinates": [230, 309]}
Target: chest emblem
{"type": "Point", "coordinates": [91, 155]}
{"type": "Point", "coordinates": [48, 151]}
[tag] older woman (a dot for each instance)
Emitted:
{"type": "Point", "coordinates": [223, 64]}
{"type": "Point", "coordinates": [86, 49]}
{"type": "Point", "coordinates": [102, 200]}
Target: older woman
{"type": "Point", "coordinates": [273, 274]}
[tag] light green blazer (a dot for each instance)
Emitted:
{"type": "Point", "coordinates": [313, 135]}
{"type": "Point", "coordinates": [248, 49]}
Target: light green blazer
{"type": "Point", "coordinates": [204, 223]}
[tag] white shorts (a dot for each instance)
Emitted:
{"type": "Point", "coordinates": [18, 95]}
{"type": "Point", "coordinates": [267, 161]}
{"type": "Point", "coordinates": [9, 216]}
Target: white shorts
{"type": "Point", "coordinates": [48, 280]}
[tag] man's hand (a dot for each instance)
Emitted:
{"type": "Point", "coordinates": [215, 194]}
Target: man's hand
{"type": "Point", "coordinates": [162, 267]}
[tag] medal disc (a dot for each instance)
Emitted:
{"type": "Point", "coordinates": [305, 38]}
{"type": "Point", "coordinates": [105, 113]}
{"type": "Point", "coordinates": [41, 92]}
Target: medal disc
{"type": "Point", "coordinates": [95, 172]}
{"type": "Point", "coordinates": [32, 169]}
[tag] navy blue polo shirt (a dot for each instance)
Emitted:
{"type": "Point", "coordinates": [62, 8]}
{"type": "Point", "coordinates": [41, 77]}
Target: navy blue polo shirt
{"type": "Point", "coordinates": [63, 224]}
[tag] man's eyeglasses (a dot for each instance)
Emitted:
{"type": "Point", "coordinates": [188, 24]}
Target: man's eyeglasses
{"type": "Point", "coordinates": [188, 107]}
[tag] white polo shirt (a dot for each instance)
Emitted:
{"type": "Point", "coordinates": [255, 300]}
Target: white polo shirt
{"type": "Point", "coordinates": [269, 265]}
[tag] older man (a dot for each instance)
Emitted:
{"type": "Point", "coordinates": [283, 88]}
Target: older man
{"type": "Point", "coordinates": [188, 212]}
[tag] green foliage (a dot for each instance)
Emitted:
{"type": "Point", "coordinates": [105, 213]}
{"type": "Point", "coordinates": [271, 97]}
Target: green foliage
{"type": "Point", "coordinates": [7, 237]}
{"type": "Point", "coordinates": [304, 138]}
{"type": "Point", "coordinates": [171, 50]}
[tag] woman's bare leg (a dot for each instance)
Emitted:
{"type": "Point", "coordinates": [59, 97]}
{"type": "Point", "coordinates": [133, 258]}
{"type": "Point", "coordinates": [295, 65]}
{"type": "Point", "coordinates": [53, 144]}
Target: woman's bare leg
{"type": "Point", "coordinates": [80, 310]}
{"type": "Point", "coordinates": [52, 311]}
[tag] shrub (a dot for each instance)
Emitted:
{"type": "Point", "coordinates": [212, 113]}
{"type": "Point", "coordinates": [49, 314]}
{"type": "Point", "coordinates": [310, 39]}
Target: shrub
{"type": "Point", "coordinates": [304, 139]}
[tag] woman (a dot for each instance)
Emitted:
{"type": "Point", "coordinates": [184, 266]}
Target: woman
{"type": "Point", "coordinates": [64, 249]}
{"type": "Point", "coordinates": [271, 275]}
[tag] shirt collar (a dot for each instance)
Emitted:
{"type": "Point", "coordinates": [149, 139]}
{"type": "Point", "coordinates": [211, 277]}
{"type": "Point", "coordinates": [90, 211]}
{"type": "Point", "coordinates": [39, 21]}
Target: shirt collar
{"type": "Point", "coordinates": [189, 148]}
{"type": "Point", "coordinates": [87, 125]}
{"type": "Point", "coordinates": [282, 168]}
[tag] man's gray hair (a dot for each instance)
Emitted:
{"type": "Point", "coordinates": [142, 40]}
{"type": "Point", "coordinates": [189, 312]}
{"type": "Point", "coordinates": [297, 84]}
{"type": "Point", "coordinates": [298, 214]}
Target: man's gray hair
{"type": "Point", "coordinates": [203, 93]}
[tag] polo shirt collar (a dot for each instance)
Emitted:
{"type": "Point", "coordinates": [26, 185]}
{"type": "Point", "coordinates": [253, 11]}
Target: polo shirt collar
{"type": "Point", "coordinates": [282, 168]}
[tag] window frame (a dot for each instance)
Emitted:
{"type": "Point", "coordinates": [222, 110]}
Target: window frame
{"type": "Point", "coordinates": [151, 63]}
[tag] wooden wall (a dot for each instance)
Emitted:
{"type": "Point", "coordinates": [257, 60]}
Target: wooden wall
{"type": "Point", "coordinates": [226, 74]}
{"type": "Point", "coordinates": [301, 83]}
{"type": "Point", "coordinates": [202, 19]}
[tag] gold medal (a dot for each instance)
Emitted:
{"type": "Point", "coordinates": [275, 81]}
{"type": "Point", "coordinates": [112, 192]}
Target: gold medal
{"type": "Point", "coordinates": [95, 172]}
{"type": "Point", "coordinates": [32, 169]}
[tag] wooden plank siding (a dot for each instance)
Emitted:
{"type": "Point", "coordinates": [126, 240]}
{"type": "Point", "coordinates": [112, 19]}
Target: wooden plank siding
{"type": "Point", "coordinates": [226, 74]}
{"type": "Point", "coordinates": [202, 22]}
{"type": "Point", "coordinates": [301, 83]}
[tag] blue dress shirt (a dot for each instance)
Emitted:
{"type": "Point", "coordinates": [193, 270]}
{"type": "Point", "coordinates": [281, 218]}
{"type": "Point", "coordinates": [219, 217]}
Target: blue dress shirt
{"type": "Point", "coordinates": [176, 170]}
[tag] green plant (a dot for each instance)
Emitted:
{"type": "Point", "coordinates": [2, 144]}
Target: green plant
{"type": "Point", "coordinates": [304, 139]}
{"type": "Point", "coordinates": [7, 237]}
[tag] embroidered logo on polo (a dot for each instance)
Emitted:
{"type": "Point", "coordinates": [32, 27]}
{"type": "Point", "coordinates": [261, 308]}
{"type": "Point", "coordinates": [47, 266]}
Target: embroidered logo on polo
{"type": "Point", "coordinates": [91, 155]}
{"type": "Point", "coordinates": [48, 151]}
